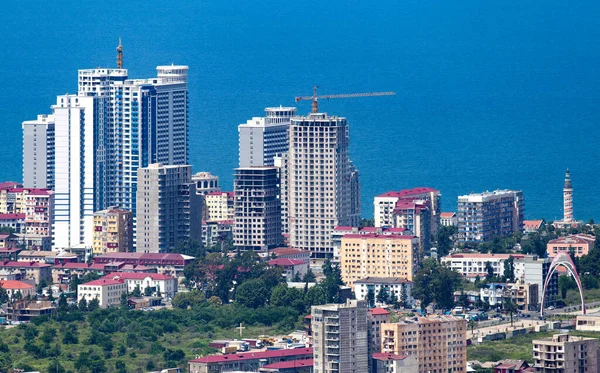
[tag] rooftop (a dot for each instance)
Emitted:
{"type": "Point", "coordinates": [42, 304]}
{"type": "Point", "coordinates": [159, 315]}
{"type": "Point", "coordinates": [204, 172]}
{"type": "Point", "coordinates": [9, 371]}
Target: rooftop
{"type": "Point", "coordinates": [285, 262]}
{"type": "Point", "coordinates": [288, 251]}
{"type": "Point", "coordinates": [409, 192]}
{"type": "Point", "coordinates": [383, 280]}
{"type": "Point", "coordinates": [253, 355]}
{"type": "Point", "coordinates": [11, 216]}
{"type": "Point", "coordinates": [137, 276]}
{"type": "Point", "coordinates": [102, 282]}
{"type": "Point", "coordinates": [378, 311]}
{"type": "Point", "coordinates": [12, 284]}
{"type": "Point", "coordinates": [483, 256]}
{"type": "Point", "coordinates": [379, 236]}
{"type": "Point", "coordinates": [144, 256]}
{"type": "Point", "coordinates": [447, 215]}
{"type": "Point", "coordinates": [290, 364]}
{"type": "Point", "coordinates": [573, 239]}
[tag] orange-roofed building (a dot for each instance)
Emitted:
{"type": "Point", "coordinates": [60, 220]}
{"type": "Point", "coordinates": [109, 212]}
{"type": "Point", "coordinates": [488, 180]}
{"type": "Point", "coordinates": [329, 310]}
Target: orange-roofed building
{"type": "Point", "coordinates": [107, 291]}
{"type": "Point", "coordinates": [532, 226]}
{"type": "Point", "coordinates": [13, 286]}
{"type": "Point", "coordinates": [581, 244]}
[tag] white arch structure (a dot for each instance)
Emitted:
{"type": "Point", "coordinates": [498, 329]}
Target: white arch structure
{"type": "Point", "coordinates": [562, 259]}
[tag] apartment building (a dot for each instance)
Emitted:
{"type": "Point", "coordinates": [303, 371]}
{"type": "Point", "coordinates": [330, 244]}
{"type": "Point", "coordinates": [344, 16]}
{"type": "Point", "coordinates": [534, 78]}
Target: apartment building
{"type": "Point", "coordinates": [483, 216]}
{"type": "Point", "coordinates": [216, 233]}
{"type": "Point", "coordinates": [205, 183]}
{"type": "Point", "coordinates": [525, 296]}
{"type": "Point", "coordinates": [257, 209]}
{"type": "Point", "coordinates": [247, 362]}
{"type": "Point", "coordinates": [107, 291]}
{"type": "Point", "coordinates": [168, 208]}
{"type": "Point", "coordinates": [321, 184]}
{"type": "Point", "coordinates": [157, 283]}
{"type": "Point", "coordinates": [415, 215]}
{"type": "Point", "coordinates": [341, 231]}
{"type": "Point", "coordinates": [395, 287]}
{"type": "Point", "coordinates": [219, 206]}
{"type": "Point", "coordinates": [262, 138]}
{"type": "Point", "coordinates": [439, 343]}
{"type": "Point", "coordinates": [566, 353]}
{"type": "Point", "coordinates": [168, 264]}
{"type": "Point", "coordinates": [471, 265]}
{"type": "Point", "coordinates": [38, 152]}
{"type": "Point", "coordinates": [534, 270]}
{"type": "Point", "coordinates": [113, 231]}
{"type": "Point", "coordinates": [579, 244]}
{"type": "Point", "coordinates": [377, 317]}
{"type": "Point", "coordinates": [384, 205]}
{"type": "Point", "coordinates": [374, 255]}
{"type": "Point", "coordinates": [340, 337]}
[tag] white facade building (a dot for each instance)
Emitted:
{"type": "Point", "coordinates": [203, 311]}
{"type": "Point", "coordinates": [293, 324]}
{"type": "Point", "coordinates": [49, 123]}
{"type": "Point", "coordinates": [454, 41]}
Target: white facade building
{"type": "Point", "coordinates": [322, 183]}
{"type": "Point", "coordinates": [262, 138]}
{"type": "Point", "coordinates": [158, 283]}
{"type": "Point", "coordinates": [471, 265]}
{"type": "Point", "coordinates": [534, 270]}
{"type": "Point", "coordinates": [75, 118]}
{"type": "Point", "coordinates": [395, 286]}
{"type": "Point", "coordinates": [107, 291]}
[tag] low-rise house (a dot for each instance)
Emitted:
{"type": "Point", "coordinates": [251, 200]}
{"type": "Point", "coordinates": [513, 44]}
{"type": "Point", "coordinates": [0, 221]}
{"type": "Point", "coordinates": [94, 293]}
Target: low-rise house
{"type": "Point", "coordinates": [395, 286]}
{"type": "Point", "coordinates": [532, 226]}
{"type": "Point", "coordinates": [493, 294]}
{"type": "Point", "coordinates": [588, 323]}
{"type": "Point", "coordinates": [291, 253]}
{"type": "Point", "coordinates": [158, 283]}
{"type": "Point", "coordinates": [511, 366]}
{"type": "Point", "coordinates": [107, 291]}
{"type": "Point", "coordinates": [579, 244]}
{"type": "Point", "coordinates": [25, 310]}
{"type": "Point", "coordinates": [8, 241]}
{"type": "Point", "coordinates": [13, 287]}
{"type": "Point", "coordinates": [249, 361]}
{"type": "Point", "coordinates": [525, 296]}
{"type": "Point", "coordinates": [471, 265]}
{"type": "Point", "coordinates": [393, 363]}
{"type": "Point", "coordinates": [29, 270]}
{"type": "Point", "coordinates": [448, 219]}
{"type": "Point", "coordinates": [168, 264]}
{"type": "Point", "coordinates": [290, 267]}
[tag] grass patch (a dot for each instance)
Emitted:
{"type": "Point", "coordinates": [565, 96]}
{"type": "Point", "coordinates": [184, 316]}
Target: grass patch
{"type": "Point", "coordinates": [517, 348]}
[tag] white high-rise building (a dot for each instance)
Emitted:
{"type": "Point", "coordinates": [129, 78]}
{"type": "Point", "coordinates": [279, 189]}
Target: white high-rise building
{"type": "Point", "coordinates": [262, 138]}
{"type": "Point", "coordinates": [322, 183]}
{"type": "Point", "coordinates": [38, 152]}
{"type": "Point", "coordinates": [74, 124]}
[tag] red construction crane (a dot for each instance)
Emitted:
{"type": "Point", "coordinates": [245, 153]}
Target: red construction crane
{"type": "Point", "coordinates": [315, 98]}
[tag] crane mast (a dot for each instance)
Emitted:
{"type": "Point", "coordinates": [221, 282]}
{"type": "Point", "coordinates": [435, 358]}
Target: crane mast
{"type": "Point", "coordinates": [315, 98]}
{"type": "Point", "coordinates": [120, 55]}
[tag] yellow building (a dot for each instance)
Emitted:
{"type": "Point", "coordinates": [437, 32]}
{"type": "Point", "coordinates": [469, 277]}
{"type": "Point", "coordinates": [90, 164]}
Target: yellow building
{"type": "Point", "coordinates": [220, 205]}
{"type": "Point", "coordinates": [113, 231]}
{"type": "Point", "coordinates": [439, 343]}
{"type": "Point", "coordinates": [378, 255]}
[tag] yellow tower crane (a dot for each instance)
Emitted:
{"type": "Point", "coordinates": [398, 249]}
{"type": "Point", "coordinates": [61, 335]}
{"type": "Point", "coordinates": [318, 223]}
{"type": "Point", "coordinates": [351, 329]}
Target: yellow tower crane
{"type": "Point", "coordinates": [315, 98]}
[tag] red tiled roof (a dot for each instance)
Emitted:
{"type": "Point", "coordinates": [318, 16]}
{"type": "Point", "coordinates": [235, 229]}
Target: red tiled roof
{"type": "Point", "coordinates": [137, 276]}
{"type": "Point", "coordinates": [11, 216]}
{"type": "Point", "coordinates": [290, 364]}
{"type": "Point", "coordinates": [447, 214]}
{"type": "Point", "coordinates": [380, 236]}
{"type": "Point", "coordinates": [573, 239]}
{"type": "Point", "coordinates": [253, 355]}
{"type": "Point", "coordinates": [103, 282]}
{"type": "Point", "coordinates": [12, 284]}
{"type": "Point", "coordinates": [9, 185]}
{"type": "Point", "coordinates": [23, 264]}
{"type": "Point", "coordinates": [343, 228]}
{"type": "Point", "coordinates": [388, 356]}
{"type": "Point", "coordinates": [285, 262]}
{"type": "Point", "coordinates": [79, 266]}
{"type": "Point", "coordinates": [145, 256]}
{"type": "Point", "coordinates": [379, 311]}
{"type": "Point", "coordinates": [409, 192]}
{"type": "Point", "coordinates": [288, 251]}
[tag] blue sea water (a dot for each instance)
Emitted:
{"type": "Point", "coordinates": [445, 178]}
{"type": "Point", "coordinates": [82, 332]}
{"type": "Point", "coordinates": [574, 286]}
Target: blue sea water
{"type": "Point", "coordinates": [490, 94]}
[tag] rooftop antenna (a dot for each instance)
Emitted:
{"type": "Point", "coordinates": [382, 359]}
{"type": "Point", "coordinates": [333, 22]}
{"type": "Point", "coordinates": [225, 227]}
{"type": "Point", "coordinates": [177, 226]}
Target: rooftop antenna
{"type": "Point", "coordinates": [120, 55]}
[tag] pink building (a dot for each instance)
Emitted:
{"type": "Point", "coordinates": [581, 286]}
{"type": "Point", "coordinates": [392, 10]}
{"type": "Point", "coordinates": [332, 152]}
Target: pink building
{"type": "Point", "coordinates": [580, 243]}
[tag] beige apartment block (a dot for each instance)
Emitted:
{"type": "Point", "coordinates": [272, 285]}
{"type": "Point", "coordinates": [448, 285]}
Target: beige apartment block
{"type": "Point", "coordinates": [375, 255]}
{"type": "Point", "coordinates": [220, 206]}
{"type": "Point", "coordinates": [437, 342]}
{"type": "Point", "coordinates": [564, 353]}
{"type": "Point", "coordinates": [113, 231]}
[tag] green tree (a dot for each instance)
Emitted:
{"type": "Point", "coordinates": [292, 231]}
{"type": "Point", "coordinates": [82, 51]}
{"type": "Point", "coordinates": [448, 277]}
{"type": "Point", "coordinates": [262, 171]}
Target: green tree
{"type": "Point", "coordinates": [251, 293]}
{"type": "Point", "coordinates": [309, 276]}
{"type": "Point", "coordinates": [83, 305]}
{"type": "Point", "coordinates": [463, 300]}
{"type": "Point", "coordinates": [3, 295]}
{"type": "Point", "coordinates": [472, 325]}
{"type": "Point", "coordinates": [371, 298]}
{"type": "Point", "coordinates": [566, 283]}
{"type": "Point", "coordinates": [509, 269]}
{"type": "Point", "coordinates": [435, 283]}
{"type": "Point", "coordinates": [510, 307]}
{"type": "Point", "coordinates": [315, 296]}
{"type": "Point", "coordinates": [188, 299]}
{"type": "Point", "coordinates": [489, 271]}
{"type": "Point", "coordinates": [137, 292]}
{"type": "Point", "coordinates": [150, 365]}
{"type": "Point", "coordinates": [70, 337]}
{"type": "Point", "coordinates": [123, 303]}
{"type": "Point", "coordinates": [147, 291]}
{"type": "Point", "coordinates": [93, 305]}
{"type": "Point", "coordinates": [444, 240]}
{"type": "Point", "coordinates": [189, 247]}
{"type": "Point", "coordinates": [404, 296]}
{"type": "Point", "coordinates": [383, 295]}
{"type": "Point", "coordinates": [55, 367]}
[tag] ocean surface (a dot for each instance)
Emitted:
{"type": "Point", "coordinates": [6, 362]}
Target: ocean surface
{"type": "Point", "coordinates": [490, 94]}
